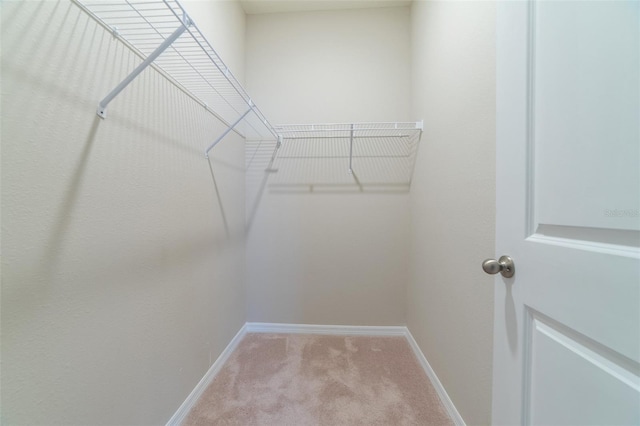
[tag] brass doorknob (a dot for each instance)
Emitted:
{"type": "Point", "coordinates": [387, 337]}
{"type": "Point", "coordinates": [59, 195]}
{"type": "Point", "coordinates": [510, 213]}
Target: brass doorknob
{"type": "Point", "coordinates": [504, 265]}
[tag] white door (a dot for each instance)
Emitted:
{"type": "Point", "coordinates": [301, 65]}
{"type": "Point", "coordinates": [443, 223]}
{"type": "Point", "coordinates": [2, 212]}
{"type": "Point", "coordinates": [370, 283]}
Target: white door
{"type": "Point", "coordinates": [567, 325]}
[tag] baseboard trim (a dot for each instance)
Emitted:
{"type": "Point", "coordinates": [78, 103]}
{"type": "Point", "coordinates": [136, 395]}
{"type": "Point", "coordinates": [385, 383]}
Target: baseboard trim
{"type": "Point", "coordinates": [442, 393]}
{"type": "Point", "coordinates": [342, 330]}
{"type": "Point", "coordinates": [195, 394]}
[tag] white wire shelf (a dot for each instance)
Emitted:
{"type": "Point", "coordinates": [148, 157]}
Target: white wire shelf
{"type": "Point", "coordinates": [165, 37]}
{"type": "Point", "coordinates": [346, 155]}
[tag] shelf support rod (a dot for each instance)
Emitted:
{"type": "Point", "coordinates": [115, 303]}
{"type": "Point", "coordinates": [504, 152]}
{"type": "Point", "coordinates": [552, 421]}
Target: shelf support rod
{"type": "Point", "coordinates": [102, 106]}
{"type": "Point", "coordinates": [226, 132]}
{"type": "Point", "coordinates": [351, 150]}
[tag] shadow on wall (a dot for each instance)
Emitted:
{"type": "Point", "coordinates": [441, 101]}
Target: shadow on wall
{"type": "Point", "coordinates": [219, 198]}
{"type": "Point", "coordinates": [65, 209]}
{"type": "Point", "coordinates": [105, 179]}
{"type": "Point", "coordinates": [260, 157]}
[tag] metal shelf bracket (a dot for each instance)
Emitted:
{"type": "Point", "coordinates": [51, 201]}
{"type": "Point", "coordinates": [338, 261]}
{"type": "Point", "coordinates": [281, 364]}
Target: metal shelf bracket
{"type": "Point", "coordinates": [230, 128]}
{"type": "Point", "coordinates": [102, 106]}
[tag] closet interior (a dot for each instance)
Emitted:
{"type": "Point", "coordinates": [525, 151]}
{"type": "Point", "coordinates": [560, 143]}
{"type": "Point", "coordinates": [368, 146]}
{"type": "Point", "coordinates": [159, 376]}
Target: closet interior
{"type": "Point", "coordinates": [173, 170]}
{"type": "Point", "coordinates": [164, 36]}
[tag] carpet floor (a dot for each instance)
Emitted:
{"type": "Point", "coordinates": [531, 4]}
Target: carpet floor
{"type": "Point", "coordinates": [304, 380]}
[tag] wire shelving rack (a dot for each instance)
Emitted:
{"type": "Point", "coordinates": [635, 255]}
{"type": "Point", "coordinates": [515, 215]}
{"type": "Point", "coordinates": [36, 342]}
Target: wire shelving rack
{"type": "Point", "coordinates": [166, 38]}
{"type": "Point", "coordinates": [380, 153]}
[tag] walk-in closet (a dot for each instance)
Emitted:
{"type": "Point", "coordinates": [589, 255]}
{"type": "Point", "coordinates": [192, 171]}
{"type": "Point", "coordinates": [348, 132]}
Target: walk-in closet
{"type": "Point", "coordinates": [261, 212]}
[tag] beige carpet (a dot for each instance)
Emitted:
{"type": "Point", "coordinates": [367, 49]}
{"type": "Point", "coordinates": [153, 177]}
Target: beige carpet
{"type": "Point", "coordinates": [300, 380]}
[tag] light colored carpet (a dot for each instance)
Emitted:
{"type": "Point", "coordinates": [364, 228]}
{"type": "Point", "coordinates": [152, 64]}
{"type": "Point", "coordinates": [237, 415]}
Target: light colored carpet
{"type": "Point", "coordinates": [304, 380]}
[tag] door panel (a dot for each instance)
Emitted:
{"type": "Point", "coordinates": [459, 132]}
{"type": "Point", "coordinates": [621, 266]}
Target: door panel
{"type": "Point", "coordinates": [605, 390]}
{"type": "Point", "coordinates": [567, 325]}
{"type": "Point", "coordinates": [593, 293]}
{"type": "Point", "coordinates": [584, 116]}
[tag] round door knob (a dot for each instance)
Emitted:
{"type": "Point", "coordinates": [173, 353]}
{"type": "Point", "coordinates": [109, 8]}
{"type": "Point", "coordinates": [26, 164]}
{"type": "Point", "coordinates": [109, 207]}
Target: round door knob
{"type": "Point", "coordinates": [504, 265]}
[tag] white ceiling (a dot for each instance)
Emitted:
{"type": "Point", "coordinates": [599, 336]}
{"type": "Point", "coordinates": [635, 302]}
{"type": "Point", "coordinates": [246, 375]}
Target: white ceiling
{"type": "Point", "coordinates": [277, 6]}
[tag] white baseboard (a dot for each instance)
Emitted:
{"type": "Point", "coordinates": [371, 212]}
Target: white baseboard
{"type": "Point", "coordinates": [442, 393]}
{"type": "Point", "coordinates": [342, 330]}
{"type": "Point", "coordinates": [195, 394]}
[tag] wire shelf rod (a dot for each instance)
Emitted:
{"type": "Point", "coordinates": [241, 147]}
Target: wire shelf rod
{"type": "Point", "coordinates": [415, 124]}
{"type": "Point", "coordinates": [343, 137]}
{"type": "Point", "coordinates": [337, 130]}
{"type": "Point", "coordinates": [316, 157]}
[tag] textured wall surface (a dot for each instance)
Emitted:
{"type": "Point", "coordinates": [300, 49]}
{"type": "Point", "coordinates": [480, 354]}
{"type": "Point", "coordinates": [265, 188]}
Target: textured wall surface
{"type": "Point", "coordinates": [327, 254]}
{"type": "Point", "coordinates": [450, 299]}
{"type": "Point", "coordinates": [330, 66]}
{"type": "Point", "coordinates": [120, 282]}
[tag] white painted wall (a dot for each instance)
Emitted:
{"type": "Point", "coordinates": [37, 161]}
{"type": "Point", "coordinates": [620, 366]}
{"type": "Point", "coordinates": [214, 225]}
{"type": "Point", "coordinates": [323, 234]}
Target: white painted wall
{"type": "Point", "coordinates": [330, 66]}
{"type": "Point", "coordinates": [450, 299]}
{"type": "Point", "coordinates": [223, 23]}
{"type": "Point", "coordinates": [120, 285]}
{"type": "Point", "coordinates": [335, 256]}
